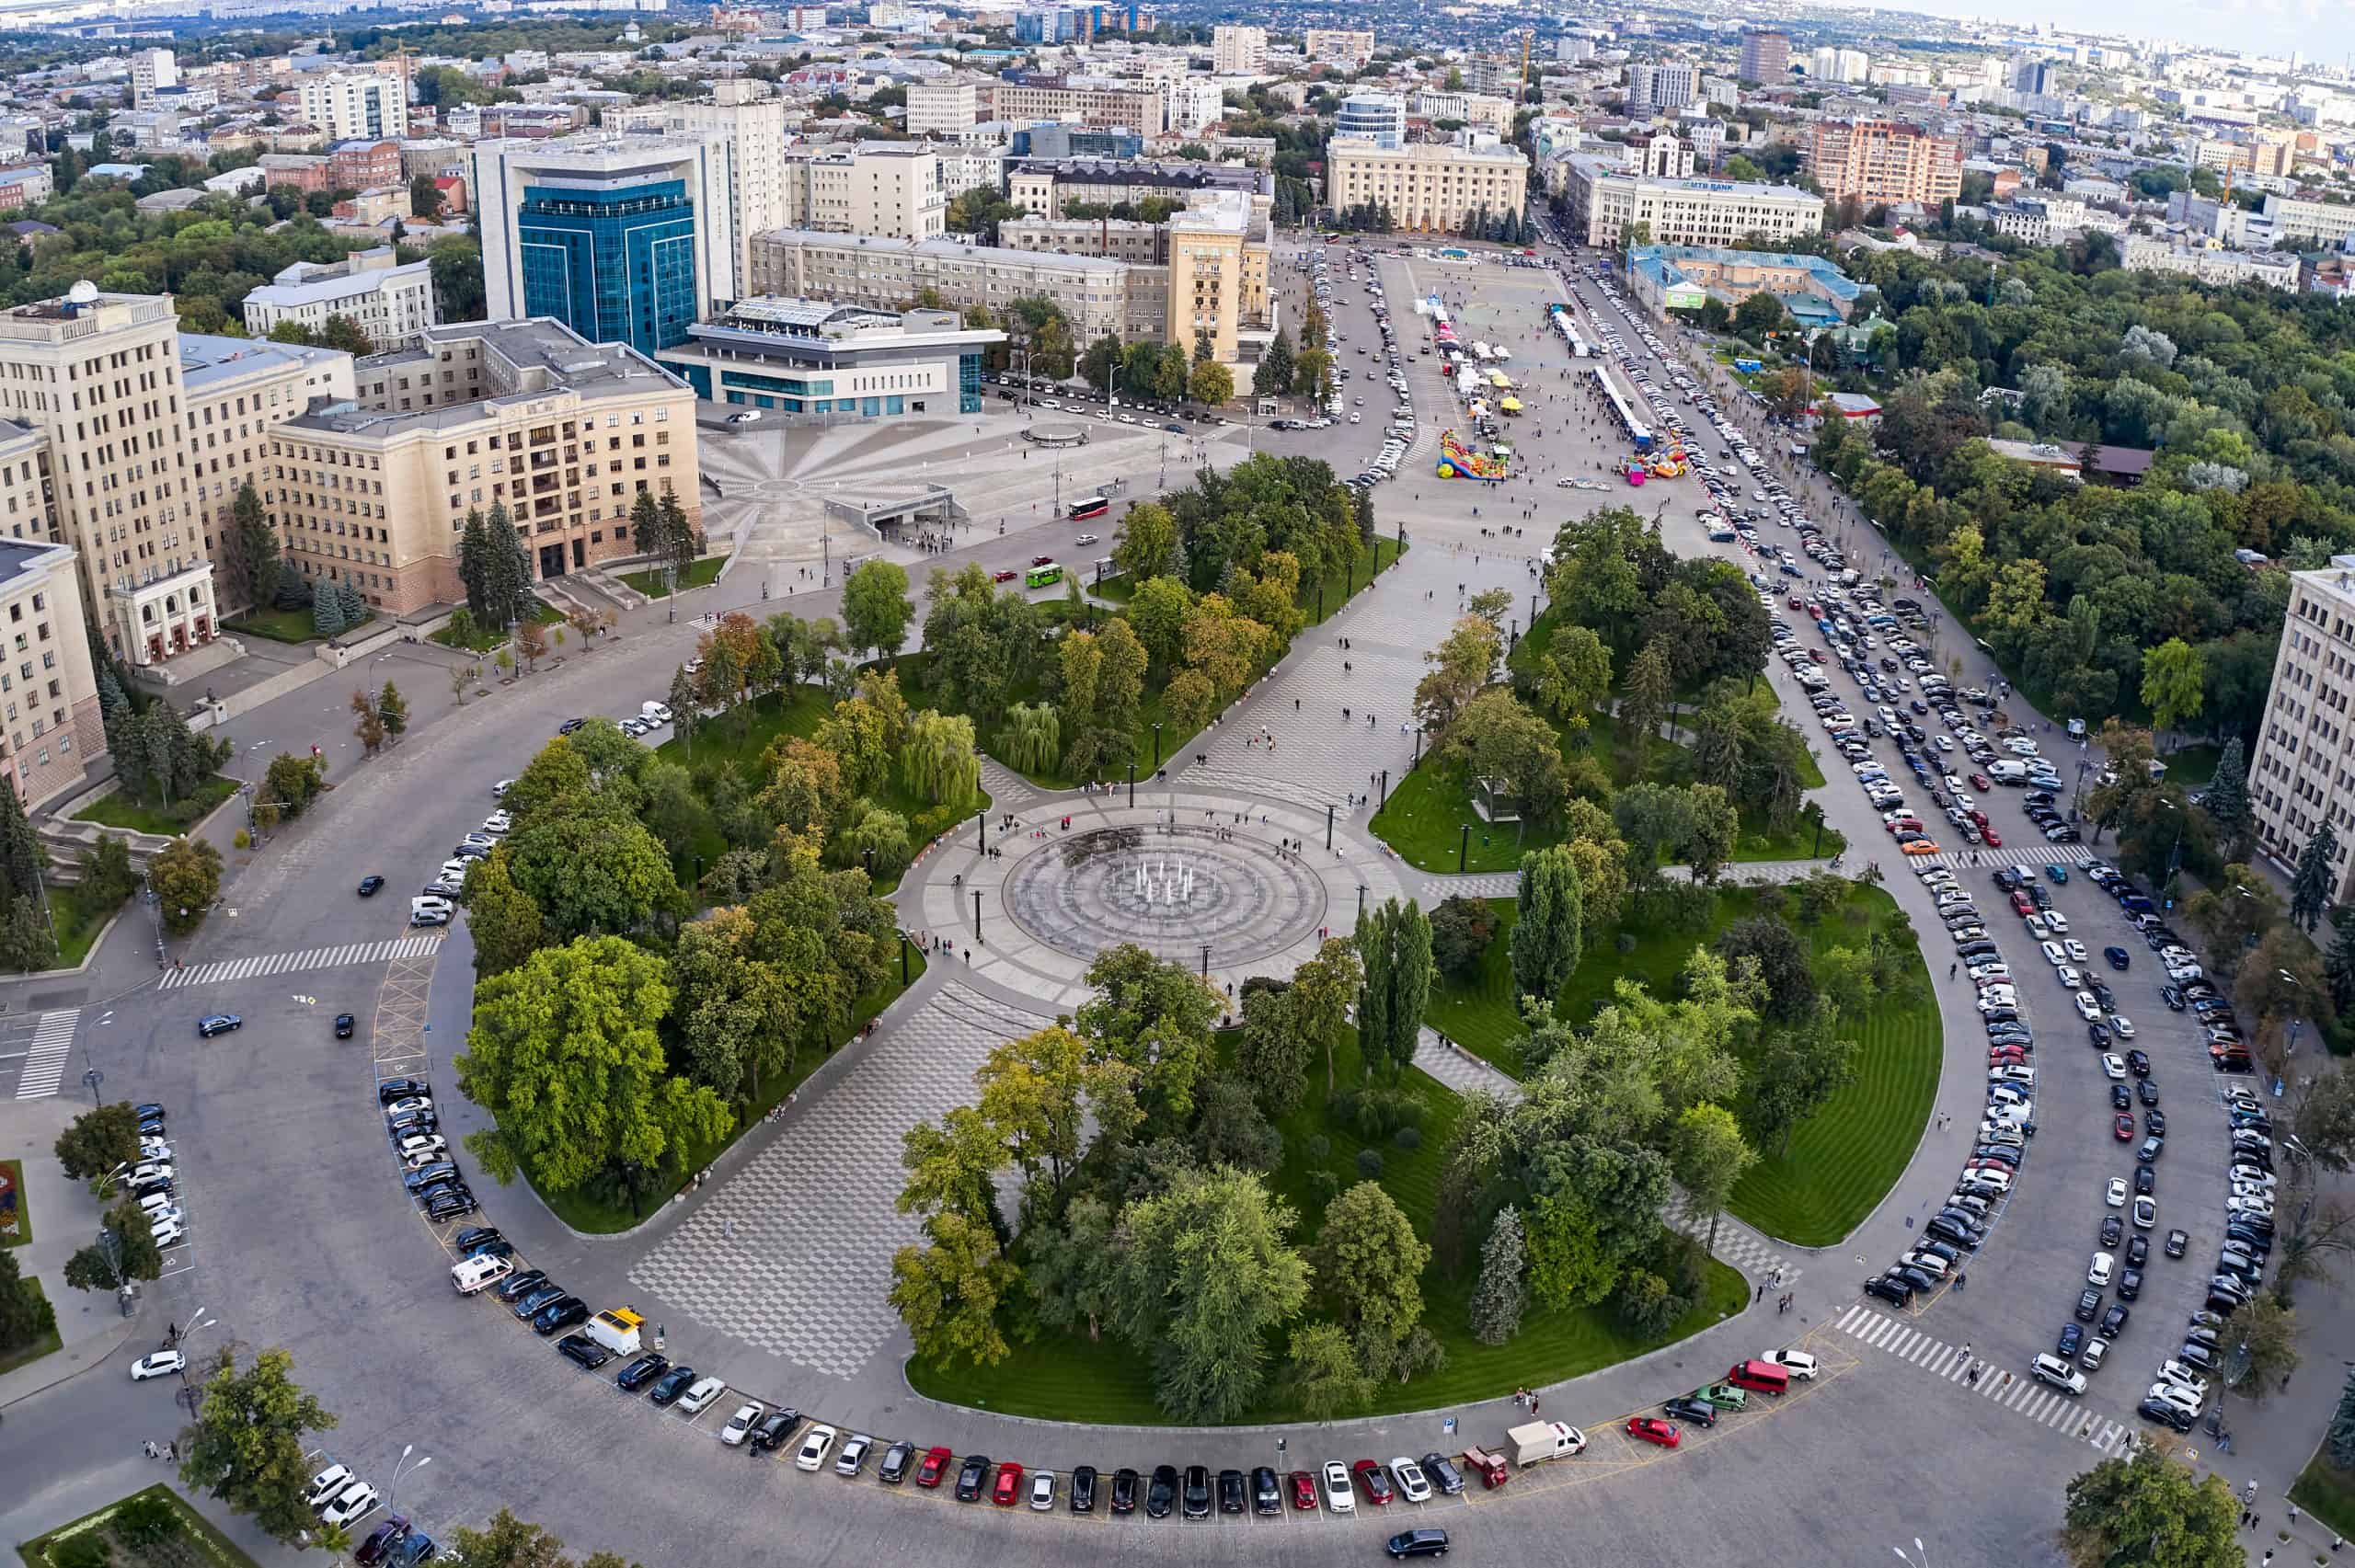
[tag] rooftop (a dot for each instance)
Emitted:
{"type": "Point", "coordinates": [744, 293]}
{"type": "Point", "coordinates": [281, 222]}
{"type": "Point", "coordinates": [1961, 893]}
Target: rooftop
{"type": "Point", "coordinates": [207, 360]}
{"type": "Point", "coordinates": [539, 357]}
{"type": "Point", "coordinates": [945, 249]}
{"type": "Point", "coordinates": [26, 557]}
{"type": "Point", "coordinates": [320, 290]}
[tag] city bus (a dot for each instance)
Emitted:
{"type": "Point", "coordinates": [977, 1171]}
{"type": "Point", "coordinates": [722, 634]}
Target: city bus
{"type": "Point", "coordinates": [1042, 576]}
{"type": "Point", "coordinates": [1091, 506]}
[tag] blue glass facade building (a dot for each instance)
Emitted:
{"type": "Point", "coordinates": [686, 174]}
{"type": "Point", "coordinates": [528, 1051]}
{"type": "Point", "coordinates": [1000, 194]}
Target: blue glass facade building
{"type": "Point", "coordinates": [616, 264]}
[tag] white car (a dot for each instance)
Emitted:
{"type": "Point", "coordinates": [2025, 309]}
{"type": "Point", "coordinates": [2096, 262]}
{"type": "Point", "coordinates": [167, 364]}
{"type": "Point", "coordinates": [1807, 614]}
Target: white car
{"type": "Point", "coordinates": [2037, 929]}
{"type": "Point", "coordinates": [499, 789]}
{"type": "Point", "coordinates": [2183, 1399]}
{"type": "Point", "coordinates": [2074, 948]}
{"type": "Point", "coordinates": [2100, 1269]}
{"type": "Point", "coordinates": [2146, 1213]}
{"type": "Point", "coordinates": [2088, 1008]}
{"type": "Point", "coordinates": [1338, 1498]}
{"type": "Point", "coordinates": [1410, 1477]}
{"type": "Point", "coordinates": [170, 1235]}
{"type": "Point", "coordinates": [1798, 1362]}
{"type": "Point", "coordinates": [2121, 1025]}
{"type": "Point", "coordinates": [160, 1218]}
{"type": "Point", "coordinates": [2059, 923]}
{"type": "Point", "coordinates": [749, 417]}
{"type": "Point", "coordinates": [161, 1364]}
{"type": "Point", "coordinates": [498, 822]}
{"type": "Point", "coordinates": [2054, 954]}
{"type": "Point", "coordinates": [2183, 1376]}
{"type": "Point", "coordinates": [409, 1106]}
{"type": "Point", "coordinates": [350, 1505]}
{"type": "Point", "coordinates": [329, 1481]}
{"type": "Point", "coordinates": [2070, 978]}
{"type": "Point", "coordinates": [815, 1447]}
{"type": "Point", "coordinates": [1042, 1491]}
{"type": "Point", "coordinates": [2113, 1065]}
{"type": "Point", "coordinates": [150, 1173]}
{"type": "Point", "coordinates": [155, 1203]}
{"type": "Point", "coordinates": [657, 712]}
{"type": "Point", "coordinates": [697, 1400]}
{"type": "Point", "coordinates": [2116, 1195]}
{"type": "Point", "coordinates": [739, 1425]}
{"type": "Point", "coordinates": [424, 1143]}
{"type": "Point", "coordinates": [2250, 1176]}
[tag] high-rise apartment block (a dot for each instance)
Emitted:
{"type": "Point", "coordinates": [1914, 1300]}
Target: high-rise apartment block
{"type": "Point", "coordinates": [1238, 52]}
{"type": "Point", "coordinates": [152, 69]}
{"type": "Point", "coordinates": [740, 111]}
{"type": "Point", "coordinates": [1141, 110]}
{"type": "Point", "coordinates": [520, 414]}
{"type": "Point", "coordinates": [2303, 777]}
{"type": "Point", "coordinates": [624, 238]}
{"type": "Point", "coordinates": [1661, 86]}
{"type": "Point", "coordinates": [355, 104]}
{"type": "Point", "coordinates": [1878, 161]}
{"type": "Point", "coordinates": [942, 108]}
{"type": "Point", "coordinates": [1765, 56]}
{"type": "Point", "coordinates": [1338, 46]}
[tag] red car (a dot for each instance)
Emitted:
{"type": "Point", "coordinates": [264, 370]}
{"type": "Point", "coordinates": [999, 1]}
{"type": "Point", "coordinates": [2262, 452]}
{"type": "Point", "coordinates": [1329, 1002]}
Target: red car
{"type": "Point", "coordinates": [1005, 575]}
{"type": "Point", "coordinates": [935, 1465]}
{"type": "Point", "coordinates": [2122, 1125]}
{"type": "Point", "coordinates": [1994, 840]}
{"type": "Point", "coordinates": [1009, 1485]}
{"type": "Point", "coordinates": [1980, 781]}
{"type": "Point", "coordinates": [1043, 560]}
{"type": "Point", "coordinates": [1652, 1429]}
{"type": "Point", "coordinates": [1303, 1492]}
{"type": "Point", "coordinates": [2022, 905]}
{"type": "Point", "coordinates": [1373, 1481]}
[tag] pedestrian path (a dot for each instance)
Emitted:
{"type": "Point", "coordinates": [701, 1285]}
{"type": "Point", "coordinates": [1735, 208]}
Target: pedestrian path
{"type": "Point", "coordinates": [2023, 1396]}
{"type": "Point", "coordinates": [44, 1066]}
{"type": "Point", "coordinates": [1009, 790]}
{"type": "Point", "coordinates": [263, 965]}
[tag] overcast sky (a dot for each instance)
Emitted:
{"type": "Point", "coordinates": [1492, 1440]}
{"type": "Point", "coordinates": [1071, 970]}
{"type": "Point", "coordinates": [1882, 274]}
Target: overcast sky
{"type": "Point", "coordinates": [2263, 26]}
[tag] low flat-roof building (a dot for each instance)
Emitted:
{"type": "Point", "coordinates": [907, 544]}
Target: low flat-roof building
{"type": "Point", "coordinates": [803, 356]}
{"type": "Point", "coordinates": [392, 303]}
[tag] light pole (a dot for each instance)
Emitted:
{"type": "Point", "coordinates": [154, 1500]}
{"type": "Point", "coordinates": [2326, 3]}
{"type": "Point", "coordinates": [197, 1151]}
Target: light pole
{"type": "Point", "coordinates": [400, 1467]}
{"type": "Point", "coordinates": [1921, 1557]}
{"type": "Point", "coordinates": [1156, 748]}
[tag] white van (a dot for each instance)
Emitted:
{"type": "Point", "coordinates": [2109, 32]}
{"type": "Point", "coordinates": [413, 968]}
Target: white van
{"type": "Point", "coordinates": [2007, 772]}
{"type": "Point", "coordinates": [471, 1275]}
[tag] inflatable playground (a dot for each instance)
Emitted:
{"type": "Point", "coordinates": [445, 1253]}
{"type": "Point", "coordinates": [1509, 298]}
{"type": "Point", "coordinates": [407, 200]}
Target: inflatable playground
{"type": "Point", "coordinates": [1669, 463]}
{"type": "Point", "coordinates": [1457, 461]}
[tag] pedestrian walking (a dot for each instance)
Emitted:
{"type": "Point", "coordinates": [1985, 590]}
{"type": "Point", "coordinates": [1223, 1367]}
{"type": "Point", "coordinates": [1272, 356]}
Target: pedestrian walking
{"type": "Point", "coordinates": [147, 1447]}
{"type": "Point", "coordinates": [1760, 1297]}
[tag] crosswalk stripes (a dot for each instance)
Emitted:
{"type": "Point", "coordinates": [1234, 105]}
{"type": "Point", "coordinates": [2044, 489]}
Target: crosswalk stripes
{"type": "Point", "coordinates": [44, 1066]}
{"type": "Point", "coordinates": [2023, 1396]}
{"type": "Point", "coordinates": [262, 966]}
{"type": "Point", "coordinates": [2026, 854]}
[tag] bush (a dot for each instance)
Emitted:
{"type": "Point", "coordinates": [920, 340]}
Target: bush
{"type": "Point", "coordinates": [1320, 1148]}
{"type": "Point", "coordinates": [87, 1549]}
{"type": "Point", "coordinates": [1460, 931]}
{"type": "Point", "coordinates": [1370, 1164]}
{"type": "Point", "coordinates": [1408, 1138]}
{"type": "Point", "coordinates": [145, 1520]}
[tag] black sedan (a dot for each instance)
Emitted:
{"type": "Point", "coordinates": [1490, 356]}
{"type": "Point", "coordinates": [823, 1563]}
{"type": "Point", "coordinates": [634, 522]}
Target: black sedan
{"type": "Point", "coordinates": [1699, 1412]}
{"type": "Point", "coordinates": [344, 1026]}
{"type": "Point", "coordinates": [2088, 1305]}
{"type": "Point", "coordinates": [370, 885]}
{"type": "Point", "coordinates": [671, 1384]}
{"type": "Point", "coordinates": [583, 1352]}
{"type": "Point", "coordinates": [1162, 1494]}
{"type": "Point", "coordinates": [2166, 1415]}
{"type": "Point", "coordinates": [973, 1476]}
{"type": "Point", "coordinates": [515, 1288]}
{"type": "Point", "coordinates": [640, 1372]}
{"type": "Point", "coordinates": [1124, 1490]}
{"type": "Point", "coordinates": [219, 1024]}
{"type": "Point", "coordinates": [564, 1312]}
{"type": "Point", "coordinates": [1083, 1489]}
{"type": "Point", "coordinates": [2117, 956]}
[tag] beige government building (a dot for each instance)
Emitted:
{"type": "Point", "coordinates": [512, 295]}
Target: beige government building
{"type": "Point", "coordinates": [1429, 189]}
{"type": "Point", "coordinates": [563, 432]}
{"type": "Point", "coordinates": [2302, 775]}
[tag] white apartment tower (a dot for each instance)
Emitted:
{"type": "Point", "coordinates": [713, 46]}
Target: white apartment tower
{"type": "Point", "coordinates": [356, 106]}
{"type": "Point", "coordinates": [1238, 52]}
{"type": "Point", "coordinates": [741, 112]}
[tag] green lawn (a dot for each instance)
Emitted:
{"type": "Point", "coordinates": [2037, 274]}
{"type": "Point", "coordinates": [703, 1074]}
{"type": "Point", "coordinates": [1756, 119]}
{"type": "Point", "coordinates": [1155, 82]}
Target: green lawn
{"type": "Point", "coordinates": [38, 1347]}
{"type": "Point", "coordinates": [119, 810]}
{"type": "Point", "coordinates": [14, 1171]}
{"type": "Point", "coordinates": [283, 625]}
{"type": "Point", "coordinates": [195, 1544]}
{"type": "Point", "coordinates": [653, 583]}
{"type": "Point", "coordinates": [593, 1214]}
{"type": "Point", "coordinates": [1841, 1162]}
{"type": "Point", "coordinates": [79, 919]}
{"type": "Point", "coordinates": [1071, 1380]}
{"type": "Point", "coordinates": [2327, 1492]}
{"type": "Point", "coordinates": [2192, 766]}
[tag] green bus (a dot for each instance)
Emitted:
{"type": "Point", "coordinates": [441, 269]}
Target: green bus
{"type": "Point", "coordinates": [1039, 576]}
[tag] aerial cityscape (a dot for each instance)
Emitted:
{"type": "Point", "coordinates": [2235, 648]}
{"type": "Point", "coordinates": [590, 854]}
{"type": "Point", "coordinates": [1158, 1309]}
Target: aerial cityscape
{"type": "Point", "coordinates": [944, 783]}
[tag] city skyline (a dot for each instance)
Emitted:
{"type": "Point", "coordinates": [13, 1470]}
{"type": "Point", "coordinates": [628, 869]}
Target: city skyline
{"type": "Point", "coordinates": [2248, 27]}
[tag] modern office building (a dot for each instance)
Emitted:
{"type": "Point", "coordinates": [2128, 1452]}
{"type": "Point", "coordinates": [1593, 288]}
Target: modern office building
{"type": "Point", "coordinates": [392, 303]}
{"type": "Point", "coordinates": [1661, 86]}
{"type": "Point", "coordinates": [364, 105]}
{"type": "Point", "coordinates": [1338, 46]}
{"type": "Point", "coordinates": [1846, 65]}
{"type": "Point", "coordinates": [1378, 117]}
{"type": "Point", "coordinates": [742, 110]}
{"type": "Point", "coordinates": [1604, 199]}
{"type": "Point", "coordinates": [562, 432]}
{"type": "Point", "coordinates": [1881, 161]}
{"type": "Point", "coordinates": [942, 108]}
{"type": "Point", "coordinates": [2302, 775]}
{"type": "Point", "coordinates": [867, 187]}
{"type": "Point", "coordinates": [1097, 295]}
{"type": "Point", "coordinates": [820, 357]}
{"type": "Point", "coordinates": [1239, 51]}
{"type": "Point", "coordinates": [1428, 189]}
{"type": "Point", "coordinates": [624, 238]}
{"type": "Point", "coordinates": [1765, 56]}
{"type": "Point", "coordinates": [53, 731]}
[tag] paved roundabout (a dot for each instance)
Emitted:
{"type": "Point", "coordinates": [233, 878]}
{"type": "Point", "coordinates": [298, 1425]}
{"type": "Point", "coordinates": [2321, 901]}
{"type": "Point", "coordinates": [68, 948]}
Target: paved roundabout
{"type": "Point", "coordinates": [772, 1274]}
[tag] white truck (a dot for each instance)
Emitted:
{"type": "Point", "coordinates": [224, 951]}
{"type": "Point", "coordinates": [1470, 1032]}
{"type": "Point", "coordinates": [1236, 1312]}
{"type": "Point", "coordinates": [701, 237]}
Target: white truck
{"type": "Point", "coordinates": [1543, 1441]}
{"type": "Point", "coordinates": [616, 1329]}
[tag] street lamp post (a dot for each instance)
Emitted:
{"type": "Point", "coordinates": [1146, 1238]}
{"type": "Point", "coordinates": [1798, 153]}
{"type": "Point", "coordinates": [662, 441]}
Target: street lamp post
{"type": "Point", "coordinates": [1133, 786]}
{"type": "Point", "coordinates": [982, 817]}
{"type": "Point", "coordinates": [400, 1467]}
{"type": "Point", "coordinates": [1360, 901]}
{"type": "Point", "coordinates": [977, 914]}
{"type": "Point", "coordinates": [1463, 846]}
{"type": "Point", "coordinates": [1156, 745]}
{"type": "Point", "coordinates": [1329, 831]}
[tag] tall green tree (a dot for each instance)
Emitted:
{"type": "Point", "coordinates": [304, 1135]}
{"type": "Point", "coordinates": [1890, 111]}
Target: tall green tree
{"type": "Point", "coordinates": [1272, 1054]}
{"type": "Point", "coordinates": [565, 1055]}
{"type": "Point", "coordinates": [2227, 801]}
{"type": "Point", "coordinates": [508, 1542]}
{"type": "Point", "coordinates": [876, 607]}
{"type": "Point", "coordinates": [22, 858]}
{"type": "Point", "coordinates": [186, 875]}
{"type": "Point", "coordinates": [1326, 1377]}
{"type": "Point", "coordinates": [1500, 1296]}
{"type": "Point", "coordinates": [25, 1314]}
{"type": "Point", "coordinates": [2151, 1512]}
{"type": "Point", "coordinates": [949, 1291]}
{"type": "Point", "coordinates": [1551, 914]}
{"type": "Point", "coordinates": [2174, 683]}
{"type": "Point", "coordinates": [2339, 1440]}
{"type": "Point", "coordinates": [1710, 1157]}
{"type": "Point", "coordinates": [2315, 879]}
{"type": "Point", "coordinates": [252, 552]}
{"type": "Point", "coordinates": [98, 1139]}
{"type": "Point", "coordinates": [1368, 1264]}
{"type": "Point", "coordinates": [1205, 1273]}
{"type": "Point", "coordinates": [250, 1441]}
{"type": "Point", "coordinates": [1396, 945]}
{"type": "Point", "coordinates": [1322, 989]}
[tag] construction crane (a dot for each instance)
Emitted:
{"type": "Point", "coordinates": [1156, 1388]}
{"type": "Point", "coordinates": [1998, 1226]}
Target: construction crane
{"type": "Point", "coordinates": [1526, 35]}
